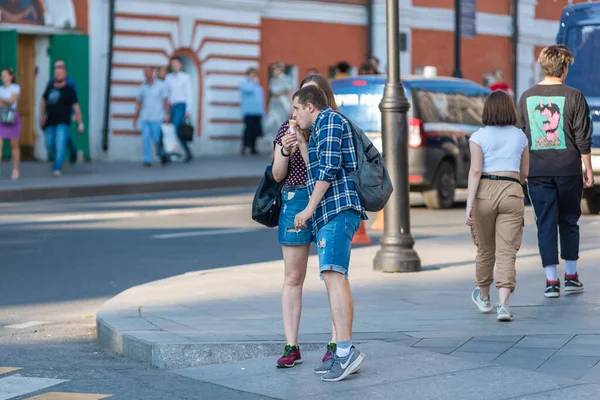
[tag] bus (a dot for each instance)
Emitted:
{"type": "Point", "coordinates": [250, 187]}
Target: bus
{"type": "Point", "coordinates": [579, 30]}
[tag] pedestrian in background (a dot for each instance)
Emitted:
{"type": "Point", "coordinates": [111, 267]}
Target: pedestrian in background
{"type": "Point", "coordinates": [151, 109]}
{"type": "Point", "coordinates": [252, 106]}
{"type": "Point", "coordinates": [280, 91]}
{"type": "Point", "coordinates": [58, 102]}
{"type": "Point", "coordinates": [10, 128]}
{"type": "Point", "coordinates": [180, 100]}
{"type": "Point", "coordinates": [290, 166]}
{"type": "Point", "coordinates": [495, 208]}
{"type": "Point", "coordinates": [556, 119]}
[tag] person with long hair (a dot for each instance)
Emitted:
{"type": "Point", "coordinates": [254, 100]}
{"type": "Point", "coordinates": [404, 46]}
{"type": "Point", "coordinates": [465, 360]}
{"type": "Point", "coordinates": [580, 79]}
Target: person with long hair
{"type": "Point", "coordinates": [495, 207]}
{"type": "Point", "coordinates": [290, 166]}
{"type": "Point", "coordinates": [10, 129]}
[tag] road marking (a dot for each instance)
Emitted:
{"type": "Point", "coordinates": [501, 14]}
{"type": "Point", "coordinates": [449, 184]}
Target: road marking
{"type": "Point", "coordinates": [125, 214]}
{"type": "Point", "coordinates": [27, 324]}
{"type": "Point", "coordinates": [69, 396]}
{"type": "Point", "coordinates": [214, 232]}
{"type": "Point", "coordinates": [16, 385]}
{"type": "Point", "coordinates": [6, 370]}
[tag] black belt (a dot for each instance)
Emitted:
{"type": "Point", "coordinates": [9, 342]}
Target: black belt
{"type": "Point", "coordinates": [500, 178]}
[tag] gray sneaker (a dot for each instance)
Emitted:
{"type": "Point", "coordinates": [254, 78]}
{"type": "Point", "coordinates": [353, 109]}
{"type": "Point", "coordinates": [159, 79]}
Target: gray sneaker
{"type": "Point", "coordinates": [344, 366]}
{"type": "Point", "coordinates": [484, 305]}
{"type": "Point", "coordinates": [503, 313]}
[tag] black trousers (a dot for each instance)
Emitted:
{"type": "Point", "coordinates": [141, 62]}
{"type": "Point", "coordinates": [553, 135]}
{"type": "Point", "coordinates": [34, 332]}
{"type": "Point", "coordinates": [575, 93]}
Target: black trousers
{"type": "Point", "coordinates": [556, 202]}
{"type": "Point", "coordinates": [252, 130]}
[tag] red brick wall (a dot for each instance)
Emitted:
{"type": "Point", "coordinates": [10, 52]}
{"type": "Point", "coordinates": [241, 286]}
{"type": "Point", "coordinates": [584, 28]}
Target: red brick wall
{"type": "Point", "coordinates": [310, 45]}
{"type": "Point", "coordinates": [479, 55]}
{"type": "Point", "coordinates": [81, 14]}
{"type": "Point", "coordinates": [552, 9]}
{"type": "Point", "coordinates": [502, 7]}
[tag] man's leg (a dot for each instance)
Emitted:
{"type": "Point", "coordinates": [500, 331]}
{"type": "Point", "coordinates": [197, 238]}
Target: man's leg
{"type": "Point", "coordinates": [50, 137]}
{"type": "Point", "coordinates": [146, 145]}
{"type": "Point", "coordinates": [61, 135]}
{"type": "Point", "coordinates": [544, 200]}
{"type": "Point", "coordinates": [177, 115]}
{"type": "Point", "coordinates": [334, 242]}
{"type": "Point", "coordinates": [570, 191]}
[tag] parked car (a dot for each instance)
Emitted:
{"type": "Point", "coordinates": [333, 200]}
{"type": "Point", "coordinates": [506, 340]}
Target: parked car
{"type": "Point", "coordinates": [444, 113]}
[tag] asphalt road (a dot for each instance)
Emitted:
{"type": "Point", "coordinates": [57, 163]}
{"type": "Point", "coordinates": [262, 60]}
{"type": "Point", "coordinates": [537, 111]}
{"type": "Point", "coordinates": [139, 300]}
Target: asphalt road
{"type": "Point", "coordinates": [61, 259]}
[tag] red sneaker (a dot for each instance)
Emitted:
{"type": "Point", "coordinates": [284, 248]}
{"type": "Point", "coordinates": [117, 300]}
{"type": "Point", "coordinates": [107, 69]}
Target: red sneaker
{"type": "Point", "coordinates": [291, 357]}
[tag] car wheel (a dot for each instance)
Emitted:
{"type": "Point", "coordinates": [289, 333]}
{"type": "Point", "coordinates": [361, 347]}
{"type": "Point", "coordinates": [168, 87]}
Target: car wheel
{"type": "Point", "coordinates": [441, 195]}
{"type": "Point", "coordinates": [590, 203]}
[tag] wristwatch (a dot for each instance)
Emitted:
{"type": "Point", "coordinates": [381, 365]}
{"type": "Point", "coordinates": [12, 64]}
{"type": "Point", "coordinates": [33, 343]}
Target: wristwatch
{"type": "Point", "coordinates": [283, 154]}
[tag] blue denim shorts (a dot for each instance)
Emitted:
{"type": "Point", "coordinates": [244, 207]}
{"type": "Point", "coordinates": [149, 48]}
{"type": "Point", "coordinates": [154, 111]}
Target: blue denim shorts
{"type": "Point", "coordinates": [334, 242]}
{"type": "Point", "coordinates": [294, 200]}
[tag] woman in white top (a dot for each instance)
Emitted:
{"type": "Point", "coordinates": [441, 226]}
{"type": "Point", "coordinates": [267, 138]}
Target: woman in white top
{"type": "Point", "coordinates": [10, 124]}
{"type": "Point", "coordinates": [499, 166]}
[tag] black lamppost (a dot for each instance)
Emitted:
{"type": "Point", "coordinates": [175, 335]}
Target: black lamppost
{"type": "Point", "coordinates": [397, 253]}
{"type": "Point", "coordinates": [457, 38]}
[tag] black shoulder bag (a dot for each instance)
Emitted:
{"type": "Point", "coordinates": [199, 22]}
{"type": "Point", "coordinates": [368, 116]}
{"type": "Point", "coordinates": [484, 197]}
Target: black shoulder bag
{"type": "Point", "coordinates": [266, 204]}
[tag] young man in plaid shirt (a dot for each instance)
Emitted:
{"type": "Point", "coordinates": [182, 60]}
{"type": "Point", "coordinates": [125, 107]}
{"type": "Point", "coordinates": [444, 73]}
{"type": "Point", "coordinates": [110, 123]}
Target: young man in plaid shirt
{"type": "Point", "coordinates": [335, 212]}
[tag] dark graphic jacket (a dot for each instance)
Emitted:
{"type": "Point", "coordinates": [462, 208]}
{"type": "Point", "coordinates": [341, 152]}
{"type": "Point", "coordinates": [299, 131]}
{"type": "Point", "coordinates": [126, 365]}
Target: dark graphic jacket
{"type": "Point", "coordinates": [557, 122]}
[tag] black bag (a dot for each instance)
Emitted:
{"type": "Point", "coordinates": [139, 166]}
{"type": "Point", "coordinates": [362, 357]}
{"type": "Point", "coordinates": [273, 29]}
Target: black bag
{"type": "Point", "coordinates": [186, 131]}
{"type": "Point", "coordinates": [266, 204]}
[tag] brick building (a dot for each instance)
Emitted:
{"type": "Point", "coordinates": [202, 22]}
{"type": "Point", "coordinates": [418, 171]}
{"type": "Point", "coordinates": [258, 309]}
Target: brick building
{"type": "Point", "coordinates": [219, 39]}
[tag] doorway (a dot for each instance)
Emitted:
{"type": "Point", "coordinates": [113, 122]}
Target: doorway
{"type": "Point", "coordinates": [26, 79]}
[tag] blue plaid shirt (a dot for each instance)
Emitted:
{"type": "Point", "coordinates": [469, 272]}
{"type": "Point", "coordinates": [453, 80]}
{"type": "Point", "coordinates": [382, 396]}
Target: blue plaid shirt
{"type": "Point", "coordinates": [331, 156]}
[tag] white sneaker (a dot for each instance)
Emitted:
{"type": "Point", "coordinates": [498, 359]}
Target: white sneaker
{"type": "Point", "coordinates": [484, 305]}
{"type": "Point", "coordinates": [503, 313]}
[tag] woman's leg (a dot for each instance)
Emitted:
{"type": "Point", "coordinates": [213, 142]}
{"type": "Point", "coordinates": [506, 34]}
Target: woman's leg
{"type": "Point", "coordinates": [16, 158]}
{"type": "Point", "coordinates": [483, 230]}
{"type": "Point", "coordinates": [509, 232]}
{"type": "Point", "coordinates": [295, 259]}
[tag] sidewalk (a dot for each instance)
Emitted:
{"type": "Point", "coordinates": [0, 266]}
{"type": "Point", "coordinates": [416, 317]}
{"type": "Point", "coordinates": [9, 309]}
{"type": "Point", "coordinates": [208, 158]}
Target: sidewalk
{"type": "Point", "coordinates": [422, 335]}
{"type": "Point", "coordinates": [99, 178]}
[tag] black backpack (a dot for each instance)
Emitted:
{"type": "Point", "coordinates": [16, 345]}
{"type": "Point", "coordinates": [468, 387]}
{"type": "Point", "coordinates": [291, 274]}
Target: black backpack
{"type": "Point", "coordinates": [371, 178]}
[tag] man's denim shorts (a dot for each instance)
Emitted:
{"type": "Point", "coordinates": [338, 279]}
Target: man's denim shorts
{"type": "Point", "coordinates": [334, 242]}
{"type": "Point", "coordinates": [294, 200]}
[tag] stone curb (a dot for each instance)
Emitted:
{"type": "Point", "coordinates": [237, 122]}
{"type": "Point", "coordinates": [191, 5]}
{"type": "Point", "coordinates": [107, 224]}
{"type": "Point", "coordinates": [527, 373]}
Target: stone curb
{"type": "Point", "coordinates": [48, 193]}
{"type": "Point", "coordinates": [177, 355]}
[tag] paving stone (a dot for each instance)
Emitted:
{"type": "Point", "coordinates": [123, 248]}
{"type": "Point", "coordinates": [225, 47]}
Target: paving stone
{"type": "Point", "coordinates": [498, 338]}
{"type": "Point", "coordinates": [544, 341]}
{"type": "Point", "coordinates": [442, 342]}
{"type": "Point", "coordinates": [485, 347]}
{"type": "Point", "coordinates": [573, 367]}
{"type": "Point", "coordinates": [524, 357]}
{"type": "Point", "coordinates": [586, 350]}
{"type": "Point", "coordinates": [579, 392]}
{"type": "Point", "coordinates": [481, 357]}
{"type": "Point", "coordinates": [482, 383]}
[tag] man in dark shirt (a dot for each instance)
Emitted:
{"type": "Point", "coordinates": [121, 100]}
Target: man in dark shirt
{"type": "Point", "coordinates": [58, 102]}
{"type": "Point", "coordinates": [70, 144]}
{"type": "Point", "coordinates": [556, 119]}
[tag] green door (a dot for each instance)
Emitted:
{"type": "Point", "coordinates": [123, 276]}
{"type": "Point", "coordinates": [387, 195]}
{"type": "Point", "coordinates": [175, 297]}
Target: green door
{"type": "Point", "coordinates": [74, 51]}
{"type": "Point", "coordinates": [8, 59]}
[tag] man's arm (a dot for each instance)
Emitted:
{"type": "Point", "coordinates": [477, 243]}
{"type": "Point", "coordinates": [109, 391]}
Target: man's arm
{"type": "Point", "coordinates": [43, 112]}
{"type": "Point", "coordinates": [78, 117]}
{"type": "Point", "coordinates": [582, 130]}
{"type": "Point", "coordinates": [167, 109]}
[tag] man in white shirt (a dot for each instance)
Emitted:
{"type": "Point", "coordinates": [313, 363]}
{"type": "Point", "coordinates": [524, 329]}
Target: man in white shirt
{"type": "Point", "coordinates": [180, 95]}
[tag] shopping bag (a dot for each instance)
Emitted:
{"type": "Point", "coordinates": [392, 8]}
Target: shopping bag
{"type": "Point", "coordinates": [171, 144]}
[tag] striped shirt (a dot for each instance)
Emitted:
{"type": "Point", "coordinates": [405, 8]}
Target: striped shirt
{"type": "Point", "coordinates": [331, 157]}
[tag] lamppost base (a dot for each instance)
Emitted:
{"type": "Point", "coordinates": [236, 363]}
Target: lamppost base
{"type": "Point", "coordinates": [397, 259]}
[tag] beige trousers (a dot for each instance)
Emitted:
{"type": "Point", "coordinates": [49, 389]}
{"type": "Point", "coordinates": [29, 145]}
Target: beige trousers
{"type": "Point", "coordinates": [497, 232]}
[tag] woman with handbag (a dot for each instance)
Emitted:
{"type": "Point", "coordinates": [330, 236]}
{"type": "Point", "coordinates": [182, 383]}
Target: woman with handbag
{"type": "Point", "coordinates": [289, 166]}
{"type": "Point", "coordinates": [10, 124]}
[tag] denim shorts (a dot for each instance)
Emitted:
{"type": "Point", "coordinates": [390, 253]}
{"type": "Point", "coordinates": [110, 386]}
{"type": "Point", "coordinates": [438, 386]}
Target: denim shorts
{"type": "Point", "coordinates": [334, 242]}
{"type": "Point", "coordinates": [294, 200]}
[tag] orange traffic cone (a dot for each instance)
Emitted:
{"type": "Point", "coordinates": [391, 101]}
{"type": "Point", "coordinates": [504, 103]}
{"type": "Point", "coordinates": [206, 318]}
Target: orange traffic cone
{"type": "Point", "coordinates": [361, 237]}
{"type": "Point", "coordinates": [379, 222]}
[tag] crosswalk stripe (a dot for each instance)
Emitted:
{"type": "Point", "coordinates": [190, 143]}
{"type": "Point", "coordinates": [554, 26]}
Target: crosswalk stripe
{"type": "Point", "coordinates": [6, 370]}
{"type": "Point", "coordinates": [69, 396]}
{"type": "Point", "coordinates": [16, 385]}
{"type": "Point", "coordinates": [26, 325]}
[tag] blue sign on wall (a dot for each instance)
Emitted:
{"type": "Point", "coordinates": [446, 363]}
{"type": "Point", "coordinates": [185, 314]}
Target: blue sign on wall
{"type": "Point", "coordinates": [468, 17]}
